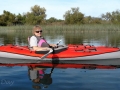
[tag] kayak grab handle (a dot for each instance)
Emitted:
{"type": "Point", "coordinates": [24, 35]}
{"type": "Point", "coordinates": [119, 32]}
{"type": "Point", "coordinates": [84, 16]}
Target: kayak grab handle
{"type": "Point", "coordinates": [85, 48]}
{"type": "Point", "coordinates": [88, 45]}
{"type": "Point", "coordinates": [91, 47]}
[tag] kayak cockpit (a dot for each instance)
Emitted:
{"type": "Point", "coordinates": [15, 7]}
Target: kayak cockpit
{"type": "Point", "coordinates": [59, 49]}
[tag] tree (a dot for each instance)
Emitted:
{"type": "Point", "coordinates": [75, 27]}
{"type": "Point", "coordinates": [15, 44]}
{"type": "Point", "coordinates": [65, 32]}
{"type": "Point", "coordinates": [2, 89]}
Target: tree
{"type": "Point", "coordinates": [113, 17]}
{"type": "Point", "coordinates": [19, 19]}
{"type": "Point", "coordinates": [73, 16]}
{"type": "Point", "coordinates": [87, 19]}
{"type": "Point", "coordinates": [36, 16]}
{"type": "Point", "coordinates": [51, 20]}
{"type": "Point", "coordinates": [6, 18]}
{"type": "Point", "coordinates": [106, 16]}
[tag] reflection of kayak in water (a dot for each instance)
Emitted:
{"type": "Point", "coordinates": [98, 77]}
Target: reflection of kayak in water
{"type": "Point", "coordinates": [72, 54]}
{"type": "Point", "coordinates": [49, 65]}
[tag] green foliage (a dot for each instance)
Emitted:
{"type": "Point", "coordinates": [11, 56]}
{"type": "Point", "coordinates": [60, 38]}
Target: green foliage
{"type": "Point", "coordinates": [113, 17]}
{"type": "Point", "coordinates": [73, 16]}
{"type": "Point", "coordinates": [51, 20]}
{"type": "Point", "coordinates": [6, 18]}
{"type": "Point", "coordinates": [36, 16]}
{"type": "Point", "coordinates": [20, 19]}
{"type": "Point", "coordinates": [54, 21]}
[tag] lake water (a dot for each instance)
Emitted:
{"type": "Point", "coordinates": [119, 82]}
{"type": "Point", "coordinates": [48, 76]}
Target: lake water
{"type": "Point", "coordinates": [16, 77]}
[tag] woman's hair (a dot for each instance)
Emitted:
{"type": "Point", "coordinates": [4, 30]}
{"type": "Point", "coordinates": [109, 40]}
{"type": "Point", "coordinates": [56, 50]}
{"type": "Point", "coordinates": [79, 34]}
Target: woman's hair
{"type": "Point", "coordinates": [37, 27]}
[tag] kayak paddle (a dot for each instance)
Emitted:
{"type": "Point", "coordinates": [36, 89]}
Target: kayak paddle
{"type": "Point", "coordinates": [44, 56]}
{"type": "Point", "coordinates": [58, 42]}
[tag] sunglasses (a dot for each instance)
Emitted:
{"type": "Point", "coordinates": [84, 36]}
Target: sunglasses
{"type": "Point", "coordinates": [38, 31]}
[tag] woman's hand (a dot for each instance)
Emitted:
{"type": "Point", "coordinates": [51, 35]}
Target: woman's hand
{"type": "Point", "coordinates": [53, 45]}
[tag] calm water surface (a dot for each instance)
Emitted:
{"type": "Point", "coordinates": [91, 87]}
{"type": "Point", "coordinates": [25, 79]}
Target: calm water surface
{"type": "Point", "coordinates": [21, 77]}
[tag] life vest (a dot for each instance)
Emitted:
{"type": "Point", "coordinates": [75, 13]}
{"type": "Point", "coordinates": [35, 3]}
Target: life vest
{"type": "Point", "coordinates": [41, 42]}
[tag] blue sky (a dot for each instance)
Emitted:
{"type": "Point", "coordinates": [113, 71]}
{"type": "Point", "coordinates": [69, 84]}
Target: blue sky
{"type": "Point", "coordinates": [57, 8]}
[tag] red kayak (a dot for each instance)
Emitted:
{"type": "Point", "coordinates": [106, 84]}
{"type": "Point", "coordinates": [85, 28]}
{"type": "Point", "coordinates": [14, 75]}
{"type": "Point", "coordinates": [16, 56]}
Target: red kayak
{"type": "Point", "coordinates": [71, 54]}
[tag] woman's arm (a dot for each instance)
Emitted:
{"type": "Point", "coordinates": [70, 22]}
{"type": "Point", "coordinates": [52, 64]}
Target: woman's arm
{"type": "Point", "coordinates": [33, 44]}
{"type": "Point", "coordinates": [36, 48]}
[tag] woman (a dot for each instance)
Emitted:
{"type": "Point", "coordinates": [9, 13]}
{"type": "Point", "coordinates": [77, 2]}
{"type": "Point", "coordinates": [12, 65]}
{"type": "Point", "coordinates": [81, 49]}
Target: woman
{"type": "Point", "coordinates": [37, 42]}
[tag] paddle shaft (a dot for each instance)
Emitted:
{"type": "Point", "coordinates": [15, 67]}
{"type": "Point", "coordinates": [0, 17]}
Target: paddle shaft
{"type": "Point", "coordinates": [44, 56]}
{"type": "Point", "coordinates": [51, 50]}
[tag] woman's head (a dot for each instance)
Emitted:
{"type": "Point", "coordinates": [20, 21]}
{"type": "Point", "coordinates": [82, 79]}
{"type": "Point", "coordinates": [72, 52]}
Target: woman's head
{"type": "Point", "coordinates": [37, 30]}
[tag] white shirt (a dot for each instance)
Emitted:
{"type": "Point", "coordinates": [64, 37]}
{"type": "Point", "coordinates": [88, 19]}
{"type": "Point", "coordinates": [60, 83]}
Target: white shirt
{"type": "Point", "coordinates": [33, 41]}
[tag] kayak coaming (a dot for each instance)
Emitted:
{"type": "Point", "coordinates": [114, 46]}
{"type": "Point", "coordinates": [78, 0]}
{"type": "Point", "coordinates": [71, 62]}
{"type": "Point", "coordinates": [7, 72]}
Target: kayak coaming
{"type": "Point", "coordinates": [13, 54]}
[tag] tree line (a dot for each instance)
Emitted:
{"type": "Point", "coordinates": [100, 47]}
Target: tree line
{"type": "Point", "coordinates": [37, 15]}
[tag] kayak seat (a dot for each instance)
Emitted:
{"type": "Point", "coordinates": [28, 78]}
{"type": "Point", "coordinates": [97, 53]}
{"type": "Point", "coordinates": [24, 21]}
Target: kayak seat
{"type": "Point", "coordinates": [28, 39]}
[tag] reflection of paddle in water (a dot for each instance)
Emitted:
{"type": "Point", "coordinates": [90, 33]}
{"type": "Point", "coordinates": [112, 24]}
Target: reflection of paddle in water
{"type": "Point", "coordinates": [47, 80]}
{"type": "Point", "coordinates": [38, 76]}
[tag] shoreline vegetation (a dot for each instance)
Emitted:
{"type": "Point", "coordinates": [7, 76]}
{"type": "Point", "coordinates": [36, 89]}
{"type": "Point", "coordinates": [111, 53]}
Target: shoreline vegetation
{"type": "Point", "coordinates": [107, 34]}
{"type": "Point", "coordinates": [67, 28]}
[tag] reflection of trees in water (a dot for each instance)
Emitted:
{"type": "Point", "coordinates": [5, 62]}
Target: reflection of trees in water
{"type": "Point", "coordinates": [16, 37]}
{"type": "Point", "coordinates": [7, 39]}
{"type": "Point", "coordinates": [104, 38]}
{"type": "Point", "coordinates": [19, 37]}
